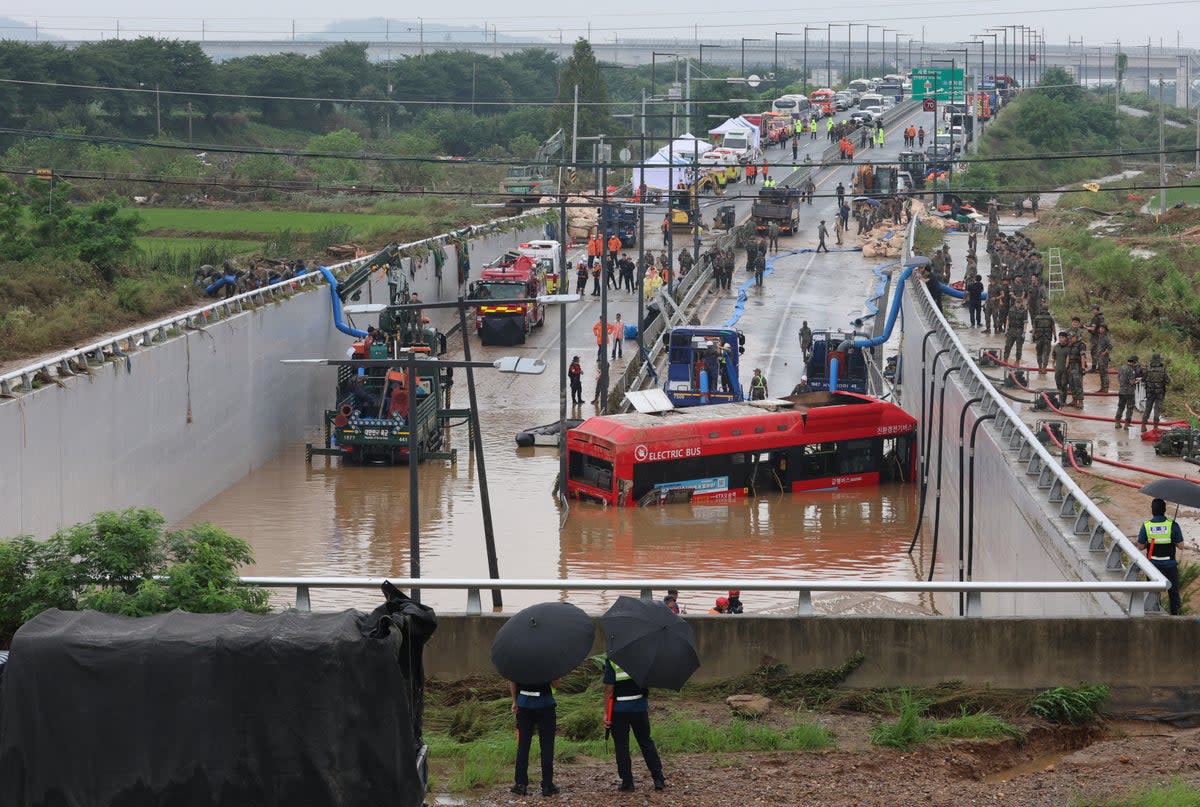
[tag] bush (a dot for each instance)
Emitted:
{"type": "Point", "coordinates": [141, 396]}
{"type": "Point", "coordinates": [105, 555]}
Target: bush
{"type": "Point", "coordinates": [124, 563]}
{"type": "Point", "coordinates": [1074, 705]}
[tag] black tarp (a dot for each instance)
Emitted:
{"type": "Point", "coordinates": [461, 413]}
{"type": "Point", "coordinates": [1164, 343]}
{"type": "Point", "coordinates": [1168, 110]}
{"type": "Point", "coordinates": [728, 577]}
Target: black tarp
{"type": "Point", "coordinates": [235, 709]}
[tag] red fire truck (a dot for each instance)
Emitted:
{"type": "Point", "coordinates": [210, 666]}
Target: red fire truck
{"type": "Point", "coordinates": [821, 442]}
{"type": "Point", "coordinates": [513, 276]}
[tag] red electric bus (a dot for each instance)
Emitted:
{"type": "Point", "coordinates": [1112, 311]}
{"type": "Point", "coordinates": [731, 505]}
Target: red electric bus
{"type": "Point", "coordinates": [821, 441]}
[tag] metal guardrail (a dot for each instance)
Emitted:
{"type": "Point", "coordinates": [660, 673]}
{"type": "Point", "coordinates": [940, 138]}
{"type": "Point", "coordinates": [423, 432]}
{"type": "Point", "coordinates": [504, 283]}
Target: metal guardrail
{"type": "Point", "coordinates": [647, 586]}
{"type": "Point", "coordinates": [79, 361]}
{"type": "Point", "coordinates": [1094, 532]}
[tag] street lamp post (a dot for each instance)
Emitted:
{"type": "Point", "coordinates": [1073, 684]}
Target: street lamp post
{"type": "Point", "coordinates": [702, 47]}
{"type": "Point", "coordinates": [777, 35]}
{"type": "Point", "coordinates": [850, 48]}
{"type": "Point", "coordinates": [804, 82]}
{"type": "Point", "coordinates": [883, 50]}
{"type": "Point", "coordinates": [994, 37]}
{"type": "Point", "coordinates": [746, 39]}
{"type": "Point", "coordinates": [867, 56]}
{"type": "Point", "coordinates": [829, 26]}
{"type": "Point", "coordinates": [653, 56]}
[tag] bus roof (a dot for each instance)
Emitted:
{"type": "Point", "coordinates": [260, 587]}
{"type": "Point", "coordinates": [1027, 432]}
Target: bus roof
{"type": "Point", "coordinates": [816, 413]}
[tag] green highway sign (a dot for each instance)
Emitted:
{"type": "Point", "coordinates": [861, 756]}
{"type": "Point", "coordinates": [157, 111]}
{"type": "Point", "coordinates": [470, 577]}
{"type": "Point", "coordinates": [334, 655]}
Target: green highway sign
{"type": "Point", "coordinates": [943, 83]}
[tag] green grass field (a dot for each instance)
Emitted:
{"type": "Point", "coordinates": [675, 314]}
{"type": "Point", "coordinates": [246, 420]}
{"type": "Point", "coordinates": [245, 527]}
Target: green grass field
{"type": "Point", "coordinates": [1190, 195]}
{"type": "Point", "coordinates": [264, 222]}
{"type": "Point", "coordinates": [229, 246]}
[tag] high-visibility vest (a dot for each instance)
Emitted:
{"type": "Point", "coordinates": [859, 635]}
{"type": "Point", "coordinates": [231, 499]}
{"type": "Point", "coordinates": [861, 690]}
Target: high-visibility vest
{"type": "Point", "coordinates": [625, 688]}
{"type": "Point", "coordinates": [1158, 537]}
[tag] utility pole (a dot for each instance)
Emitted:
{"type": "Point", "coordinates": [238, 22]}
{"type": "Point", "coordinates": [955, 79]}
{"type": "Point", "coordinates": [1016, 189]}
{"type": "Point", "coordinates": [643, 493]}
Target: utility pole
{"type": "Point", "coordinates": [575, 128]}
{"type": "Point", "coordinates": [158, 108]}
{"type": "Point", "coordinates": [1162, 153]}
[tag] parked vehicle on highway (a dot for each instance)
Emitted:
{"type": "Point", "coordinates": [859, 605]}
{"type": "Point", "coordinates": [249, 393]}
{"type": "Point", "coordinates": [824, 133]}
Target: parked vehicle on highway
{"type": "Point", "coordinates": [780, 205]}
{"type": "Point", "coordinates": [795, 104]}
{"type": "Point", "coordinates": [874, 111]}
{"type": "Point", "coordinates": [843, 100]}
{"type": "Point", "coordinates": [893, 90]}
{"type": "Point", "coordinates": [822, 99]}
{"type": "Point", "coordinates": [938, 158]}
{"type": "Point", "coordinates": [875, 99]}
{"type": "Point", "coordinates": [861, 116]}
{"type": "Point", "coordinates": [949, 142]}
{"type": "Point", "coordinates": [513, 276]}
{"type": "Point", "coordinates": [723, 165]}
{"type": "Point", "coordinates": [861, 86]}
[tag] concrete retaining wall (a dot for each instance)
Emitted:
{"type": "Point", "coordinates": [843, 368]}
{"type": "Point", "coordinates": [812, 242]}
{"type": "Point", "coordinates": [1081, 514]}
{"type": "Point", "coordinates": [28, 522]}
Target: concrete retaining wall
{"type": "Point", "coordinates": [1146, 661]}
{"type": "Point", "coordinates": [1018, 535]}
{"type": "Point", "coordinates": [184, 419]}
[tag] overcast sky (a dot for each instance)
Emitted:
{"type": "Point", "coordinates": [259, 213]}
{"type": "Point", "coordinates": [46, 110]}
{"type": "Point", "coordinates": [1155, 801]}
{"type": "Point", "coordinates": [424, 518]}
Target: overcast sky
{"type": "Point", "coordinates": [1097, 21]}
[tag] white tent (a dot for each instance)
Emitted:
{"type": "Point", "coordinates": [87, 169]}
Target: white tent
{"type": "Point", "coordinates": [736, 125]}
{"type": "Point", "coordinates": [730, 125]}
{"type": "Point", "coordinates": [662, 173]}
{"type": "Point", "coordinates": [688, 146]}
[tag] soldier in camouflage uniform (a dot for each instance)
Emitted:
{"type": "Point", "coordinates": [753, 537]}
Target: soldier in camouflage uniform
{"type": "Point", "coordinates": [1062, 352]}
{"type": "Point", "coordinates": [989, 306]}
{"type": "Point", "coordinates": [1104, 347]}
{"type": "Point", "coordinates": [1003, 302]}
{"type": "Point", "coordinates": [1043, 337]}
{"type": "Point", "coordinates": [1076, 365]}
{"type": "Point", "coordinates": [1093, 329]}
{"type": "Point", "coordinates": [1127, 378]}
{"type": "Point", "coordinates": [1014, 333]}
{"type": "Point", "coordinates": [1157, 381]}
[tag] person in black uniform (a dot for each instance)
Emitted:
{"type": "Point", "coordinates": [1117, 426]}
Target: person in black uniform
{"type": "Point", "coordinates": [534, 706]}
{"type": "Point", "coordinates": [627, 707]}
{"type": "Point", "coordinates": [1159, 537]}
{"type": "Point", "coordinates": [575, 377]}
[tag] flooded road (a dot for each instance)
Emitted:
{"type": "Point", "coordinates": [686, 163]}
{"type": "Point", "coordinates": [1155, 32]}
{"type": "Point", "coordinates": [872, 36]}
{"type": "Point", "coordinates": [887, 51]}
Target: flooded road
{"type": "Point", "coordinates": [304, 521]}
{"type": "Point", "coordinates": [330, 520]}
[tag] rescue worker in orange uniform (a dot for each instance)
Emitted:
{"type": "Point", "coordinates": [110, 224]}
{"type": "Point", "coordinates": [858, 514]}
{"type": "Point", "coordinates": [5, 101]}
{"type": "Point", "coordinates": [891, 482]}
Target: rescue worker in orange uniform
{"type": "Point", "coordinates": [595, 249]}
{"type": "Point", "coordinates": [751, 173]}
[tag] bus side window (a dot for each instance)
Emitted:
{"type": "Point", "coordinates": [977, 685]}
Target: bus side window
{"type": "Point", "coordinates": [858, 456]}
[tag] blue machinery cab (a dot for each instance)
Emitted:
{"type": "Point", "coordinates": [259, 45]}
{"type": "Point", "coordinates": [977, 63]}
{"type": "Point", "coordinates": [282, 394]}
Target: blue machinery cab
{"type": "Point", "coordinates": [703, 365]}
{"type": "Point", "coordinates": [852, 367]}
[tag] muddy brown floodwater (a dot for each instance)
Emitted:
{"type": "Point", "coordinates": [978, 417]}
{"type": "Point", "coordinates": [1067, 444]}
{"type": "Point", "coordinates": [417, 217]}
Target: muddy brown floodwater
{"type": "Point", "coordinates": [331, 520]}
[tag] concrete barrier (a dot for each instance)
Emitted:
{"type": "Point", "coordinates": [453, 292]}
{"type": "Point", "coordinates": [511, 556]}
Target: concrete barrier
{"type": "Point", "coordinates": [182, 420]}
{"type": "Point", "coordinates": [1145, 661]}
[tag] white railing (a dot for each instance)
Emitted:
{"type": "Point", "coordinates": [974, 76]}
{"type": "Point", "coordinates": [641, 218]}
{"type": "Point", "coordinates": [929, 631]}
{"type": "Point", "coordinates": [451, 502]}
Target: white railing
{"type": "Point", "coordinates": [79, 360]}
{"type": "Point", "coordinates": [1102, 536]}
{"type": "Point", "coordinates": [646, 587]}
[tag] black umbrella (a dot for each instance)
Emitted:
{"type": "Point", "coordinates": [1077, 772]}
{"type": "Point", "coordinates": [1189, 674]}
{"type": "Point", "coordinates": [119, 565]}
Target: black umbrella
{"type": "Point", "coordinates": [650, 642]}
{"type": "Point", "coordinates": [1180, 491]}
{"type": "Point", "coordinates": [543, 642]}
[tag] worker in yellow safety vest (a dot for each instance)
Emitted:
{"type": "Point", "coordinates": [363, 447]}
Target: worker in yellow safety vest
{"type": "Point", "coordinates": [627, 707]}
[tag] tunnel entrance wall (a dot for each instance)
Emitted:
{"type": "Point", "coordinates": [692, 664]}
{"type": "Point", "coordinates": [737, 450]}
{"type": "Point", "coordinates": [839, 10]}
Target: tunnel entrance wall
{"type": "Point", "coordinates": [1019, 536]}
{"type": "Point", "coordinates": [185, 419]}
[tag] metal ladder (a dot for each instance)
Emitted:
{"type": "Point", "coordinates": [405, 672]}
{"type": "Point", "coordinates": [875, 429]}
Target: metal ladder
{"type": "Point", "coordinates": [1057, 283]}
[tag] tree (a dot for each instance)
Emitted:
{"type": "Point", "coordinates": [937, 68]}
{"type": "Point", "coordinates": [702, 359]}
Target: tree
{"type": "Point", "coordinates": [582, 70]}
{"type": "Point", "coordinates": [124, 563]}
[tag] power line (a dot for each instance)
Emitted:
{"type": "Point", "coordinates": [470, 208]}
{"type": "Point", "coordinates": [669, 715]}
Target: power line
{"type": "Point", "coordinates": [586, 165]}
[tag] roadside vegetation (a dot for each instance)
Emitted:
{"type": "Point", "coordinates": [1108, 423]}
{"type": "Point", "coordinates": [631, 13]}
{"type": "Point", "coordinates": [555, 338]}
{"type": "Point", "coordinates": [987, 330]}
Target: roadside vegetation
{"type": "Point", "coordinates": [1069, 129]}
{"type": "Point", "coordinates": [469, 724]}
{"type": "Point", "coordinates": [1177, 794]}
{"type": "Point", "coordinates": [1151, 298]}
{"type": "Point", "coordinates": [124, 563]}
{"type": "Point", "coordinates": [235, 161]}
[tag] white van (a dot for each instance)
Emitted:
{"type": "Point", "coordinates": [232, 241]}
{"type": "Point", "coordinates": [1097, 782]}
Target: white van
{"type": "Point", "coordinates": [875, 99]}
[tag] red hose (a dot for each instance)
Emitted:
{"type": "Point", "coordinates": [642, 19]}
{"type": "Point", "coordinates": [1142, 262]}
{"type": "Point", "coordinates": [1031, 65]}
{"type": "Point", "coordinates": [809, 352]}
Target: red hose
{"type": "Point", "coordinates": [1071, 456]}
{"type": "Point", "coordinates": [1101, 418]}
{"type": "Point", "coordinates": [1003, 363]}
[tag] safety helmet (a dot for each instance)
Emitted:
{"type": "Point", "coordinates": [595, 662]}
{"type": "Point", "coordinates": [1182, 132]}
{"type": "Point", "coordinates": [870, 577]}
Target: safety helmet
{"type": "Point", "coordinates": [733, 592]}
{"type": "Point", "coordinates": [722, 602]}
